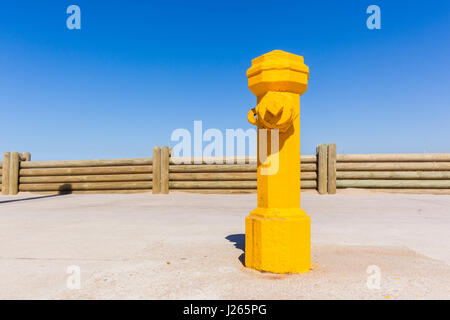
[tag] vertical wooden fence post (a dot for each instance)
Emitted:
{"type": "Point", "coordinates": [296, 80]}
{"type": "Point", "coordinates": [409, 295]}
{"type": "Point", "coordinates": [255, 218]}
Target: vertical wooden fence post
{"type": "Point", "coordinates": [26, 156]}
{"type": "Point", "coordinates": [165, 170]}
{"type": "Point", "coordinates": [5, 173]}
{"type": "Point", "coordinates": [321, 153]}
{"type": "Point", "coordinates": [14, 173]}
{"type": "Point", "coordinates": [156, 170]}
{"type": "Point", "coordinates": [331, 168]}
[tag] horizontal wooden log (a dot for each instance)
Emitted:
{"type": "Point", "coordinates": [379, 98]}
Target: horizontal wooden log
{"type": "Point", "coordinates": [231, 160]}
{"type": "Point", "coordinates": [308, 175]}
{"type": "Point", "coordinates": [227, 168]}
{"type": "Point", "coordinates": [410, 191]}
{"type": "Point", "coordinates": [212, 184]}
{"type": "Point", "coordinates": [238, 191]}
{"type": "Point", "coordinates": [226, 184]}
{"type": "Point", "coordinates": [393, 175]}
{"type": "Point", "coordinates": [223, 176]}
{"type": "Point", "coordinates": [308, 184]}
{"type": "Point", "coordinates": [215, 191]}
{"type": "Point", "coordinates": [85, 186]}
{"type": "Point", "coordinates": [111, 191]}
{"type": "Point", "coordinates": [223, 191]}
{"type": "Point", "coordinates": [308, 159]}
{"type": "Point", "coordinates": [212, 160]}
{"type": "Point", "coordinates": [220, 176]}
{"type": "Point", "coordinates": [86, 163]}
{"type": "Point", "coordinates": [412, 157]}
{"type": "Point", "coordinates": [430, 184]}
{"type": "Point", "coordinates": [393, 166]}
{"type": "Point", "coordinates": [87, 178]}
{"type": "Point", "coordinates": [85, 171]}
{"type": "Point", "coordinates": [56, 192]}
{"type": "Point", "coordinates": [212, 168]}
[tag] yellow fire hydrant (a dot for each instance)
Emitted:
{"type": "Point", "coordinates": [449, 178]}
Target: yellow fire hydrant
{"type": "Point", "coordinates": [278, 232]}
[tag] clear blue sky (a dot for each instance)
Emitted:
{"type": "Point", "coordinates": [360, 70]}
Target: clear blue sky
{"type": "Point", "coordinates": [137, 70]}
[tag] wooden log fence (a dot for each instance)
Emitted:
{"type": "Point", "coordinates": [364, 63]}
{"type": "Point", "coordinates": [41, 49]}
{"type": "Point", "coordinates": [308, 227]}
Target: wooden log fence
{"type": "Point", "coordinates": [326, 171]}
{"type": "Point", "coordinates": [231, 174]}
{"type": "Point", "coordinates": [393, 171]}
{"type": "Point", "coordinates": [10, 167]}
{"type": "Point", "coordinates": [75, 176]}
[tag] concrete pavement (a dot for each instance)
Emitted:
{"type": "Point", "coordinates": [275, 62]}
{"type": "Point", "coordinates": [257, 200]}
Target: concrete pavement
{"type": "Point", "coordinates": [190, 246]}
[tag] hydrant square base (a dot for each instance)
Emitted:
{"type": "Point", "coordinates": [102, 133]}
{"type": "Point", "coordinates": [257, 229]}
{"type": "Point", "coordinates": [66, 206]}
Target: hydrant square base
{"type": "Point", "coordinates": [278, 242]}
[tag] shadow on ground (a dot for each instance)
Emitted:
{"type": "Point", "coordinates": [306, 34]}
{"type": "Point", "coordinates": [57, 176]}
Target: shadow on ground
{"type": "Point", "coordinates": [64, 189]}
{"type": "Point", "coordinates": [31, 198]}
{"type": "Point", "coordinates": [238, 240]}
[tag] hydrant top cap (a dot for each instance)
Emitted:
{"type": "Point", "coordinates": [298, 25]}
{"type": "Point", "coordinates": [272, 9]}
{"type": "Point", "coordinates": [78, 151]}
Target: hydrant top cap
{"type": "Point", "coordinates": [277, 60]}
{"type": "Point", "coordinates": [278, 71]}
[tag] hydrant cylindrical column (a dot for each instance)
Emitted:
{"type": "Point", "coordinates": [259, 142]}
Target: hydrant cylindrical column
{"type": "Point", "coordinates": [277, 232]}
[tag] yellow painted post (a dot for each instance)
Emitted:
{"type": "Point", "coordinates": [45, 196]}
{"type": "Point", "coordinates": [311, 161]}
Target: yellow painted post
{"type": "Point", "coordinates": [277, 232]}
